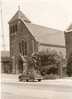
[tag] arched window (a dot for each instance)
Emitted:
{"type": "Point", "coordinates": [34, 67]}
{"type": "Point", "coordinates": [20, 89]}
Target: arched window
{"type": "Point", "coordinates": [13, 28]}
{"type": "Point", "coordinates": [23, 47]}
{"type": "Point", "coordinates": [20, 47]}
{"type": "Point", "coordinates": [33, 45]}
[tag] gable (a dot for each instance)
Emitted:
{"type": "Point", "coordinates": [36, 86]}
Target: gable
{"type": "Point", "coordinates": [19, 15]}
{"type": "Point", "coordinates": [24, 31]}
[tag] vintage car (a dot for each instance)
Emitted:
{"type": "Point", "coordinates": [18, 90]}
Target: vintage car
{"type": "Point", "coordinates": [30, 77]}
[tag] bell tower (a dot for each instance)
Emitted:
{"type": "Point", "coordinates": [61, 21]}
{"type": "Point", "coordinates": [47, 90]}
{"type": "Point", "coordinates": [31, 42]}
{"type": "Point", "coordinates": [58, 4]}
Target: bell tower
{"type": "Point", "coordinates": [18, 38]}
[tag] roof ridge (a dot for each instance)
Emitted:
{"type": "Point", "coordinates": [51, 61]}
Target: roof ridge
{"type": "Point", "coordinates": [46, 27]}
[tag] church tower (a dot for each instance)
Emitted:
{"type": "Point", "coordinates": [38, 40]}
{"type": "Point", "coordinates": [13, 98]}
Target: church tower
{"type": "Point", "coordinates": [19, 39]}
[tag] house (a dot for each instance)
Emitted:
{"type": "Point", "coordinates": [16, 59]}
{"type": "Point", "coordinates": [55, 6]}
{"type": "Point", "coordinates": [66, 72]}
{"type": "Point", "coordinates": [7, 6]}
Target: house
{"type": "Point", "coordinates": [27, 38]}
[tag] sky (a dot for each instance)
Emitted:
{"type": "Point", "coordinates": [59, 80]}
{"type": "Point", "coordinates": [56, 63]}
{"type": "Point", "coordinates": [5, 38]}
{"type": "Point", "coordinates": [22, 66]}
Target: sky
{"type": "Point", "coordinates": [50, 13]}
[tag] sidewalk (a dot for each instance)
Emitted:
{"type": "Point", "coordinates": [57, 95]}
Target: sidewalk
{"type": "Point", "coordinates": [9, 77]}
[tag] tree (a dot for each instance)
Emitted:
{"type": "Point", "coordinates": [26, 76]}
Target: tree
{"type": "Point", "coordinates": [69, 66]}
{"type": "Point", "coordinates": [48, 61]}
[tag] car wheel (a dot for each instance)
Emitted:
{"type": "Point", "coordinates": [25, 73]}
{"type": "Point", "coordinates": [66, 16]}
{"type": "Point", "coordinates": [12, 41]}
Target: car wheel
{"type": "Point", "coordinates": [39, 80]}
{"type": "Point", "coordinates": [27, 80]}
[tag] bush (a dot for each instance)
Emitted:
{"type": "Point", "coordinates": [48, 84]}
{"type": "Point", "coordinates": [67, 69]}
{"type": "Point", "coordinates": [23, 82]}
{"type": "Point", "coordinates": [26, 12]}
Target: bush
{"type": "Point", "coordinates": [49, 59]}
{"type": "Point", "coordinates": [50, 76]}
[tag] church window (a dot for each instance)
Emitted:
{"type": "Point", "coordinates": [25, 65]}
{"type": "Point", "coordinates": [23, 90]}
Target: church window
{"type": "Point", "coordinates": [20, 47]}
{"type": "Point", "coordinates": [33, 45]}
{"type": "Point", "coordinates": [13, 28]}
{"type": "Point", "coordinates": [23, 47]}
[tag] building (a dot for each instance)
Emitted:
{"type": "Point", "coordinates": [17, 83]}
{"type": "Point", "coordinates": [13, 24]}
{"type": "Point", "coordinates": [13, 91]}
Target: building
{"type": "Point", "coordinates": [6, 62]}
{"type": "Point", "coordinates": [68, 41]}
{"type": "Point", "coordinates": [27, 38]}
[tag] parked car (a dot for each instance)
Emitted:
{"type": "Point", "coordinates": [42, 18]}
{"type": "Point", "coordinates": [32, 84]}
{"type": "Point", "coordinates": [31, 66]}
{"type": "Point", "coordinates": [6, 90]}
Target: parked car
{"type": "Point", "coordinates": [30, 77]}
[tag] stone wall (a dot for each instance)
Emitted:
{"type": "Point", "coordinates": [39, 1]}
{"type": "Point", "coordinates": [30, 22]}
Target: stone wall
{"type": "Point", "coordinates": [21, 34]}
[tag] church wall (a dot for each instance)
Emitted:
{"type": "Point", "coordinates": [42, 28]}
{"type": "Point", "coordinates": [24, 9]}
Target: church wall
{"type": "Point", "coordinates": [15, 38]}
{"type": "Point", "coordinates": [24, 34]}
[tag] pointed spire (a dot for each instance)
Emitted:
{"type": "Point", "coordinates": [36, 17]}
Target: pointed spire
{"type": "Point", "coordinates": [19, 7]}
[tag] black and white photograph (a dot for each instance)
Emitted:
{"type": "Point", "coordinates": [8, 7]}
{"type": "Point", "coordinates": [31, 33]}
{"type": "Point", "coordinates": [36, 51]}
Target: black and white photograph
{"type": "Point", "coordinates": [36, 49]}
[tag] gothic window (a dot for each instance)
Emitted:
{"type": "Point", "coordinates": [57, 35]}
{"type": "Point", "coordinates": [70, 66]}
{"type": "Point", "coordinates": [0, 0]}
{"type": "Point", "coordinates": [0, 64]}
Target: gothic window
{"type": "Point", "coordinates": [23, 47]}
{"type": "Point", "coordinates": [33, 45]}
{"type": "Point", "coordinates": [13, 28]}
{"type": "Point", "coordinates": [20, 47]}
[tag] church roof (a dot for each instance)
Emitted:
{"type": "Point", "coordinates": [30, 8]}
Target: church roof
{"type": "Point", "coordinates": [46, 35]}
{"type": "Point", "coordinates": [19, 15]}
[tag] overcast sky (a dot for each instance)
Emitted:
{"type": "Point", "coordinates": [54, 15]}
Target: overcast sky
{"type": "Point", "coordinates": [51, 13]}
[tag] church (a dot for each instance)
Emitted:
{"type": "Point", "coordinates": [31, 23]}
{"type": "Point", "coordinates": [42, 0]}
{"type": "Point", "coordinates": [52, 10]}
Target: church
{"type": "Point", "coordinates": [27, 38]}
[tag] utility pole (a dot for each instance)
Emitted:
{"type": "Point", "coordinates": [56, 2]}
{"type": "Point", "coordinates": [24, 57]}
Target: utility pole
{"type": "Point", "coordinates": [2, 28]}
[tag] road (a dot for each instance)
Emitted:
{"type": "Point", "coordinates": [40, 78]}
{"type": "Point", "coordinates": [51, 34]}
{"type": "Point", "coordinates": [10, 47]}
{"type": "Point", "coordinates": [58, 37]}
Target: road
{"type": "Point", "coordinates": [51, 89]}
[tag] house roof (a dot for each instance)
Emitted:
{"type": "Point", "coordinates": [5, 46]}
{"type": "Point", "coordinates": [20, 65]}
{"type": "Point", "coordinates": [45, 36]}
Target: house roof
{"type": "Point", "coordinates": [42, 34]}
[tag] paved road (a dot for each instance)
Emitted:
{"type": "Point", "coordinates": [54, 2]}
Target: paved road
{"type": "Point", "coordinates": [40, 90]}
